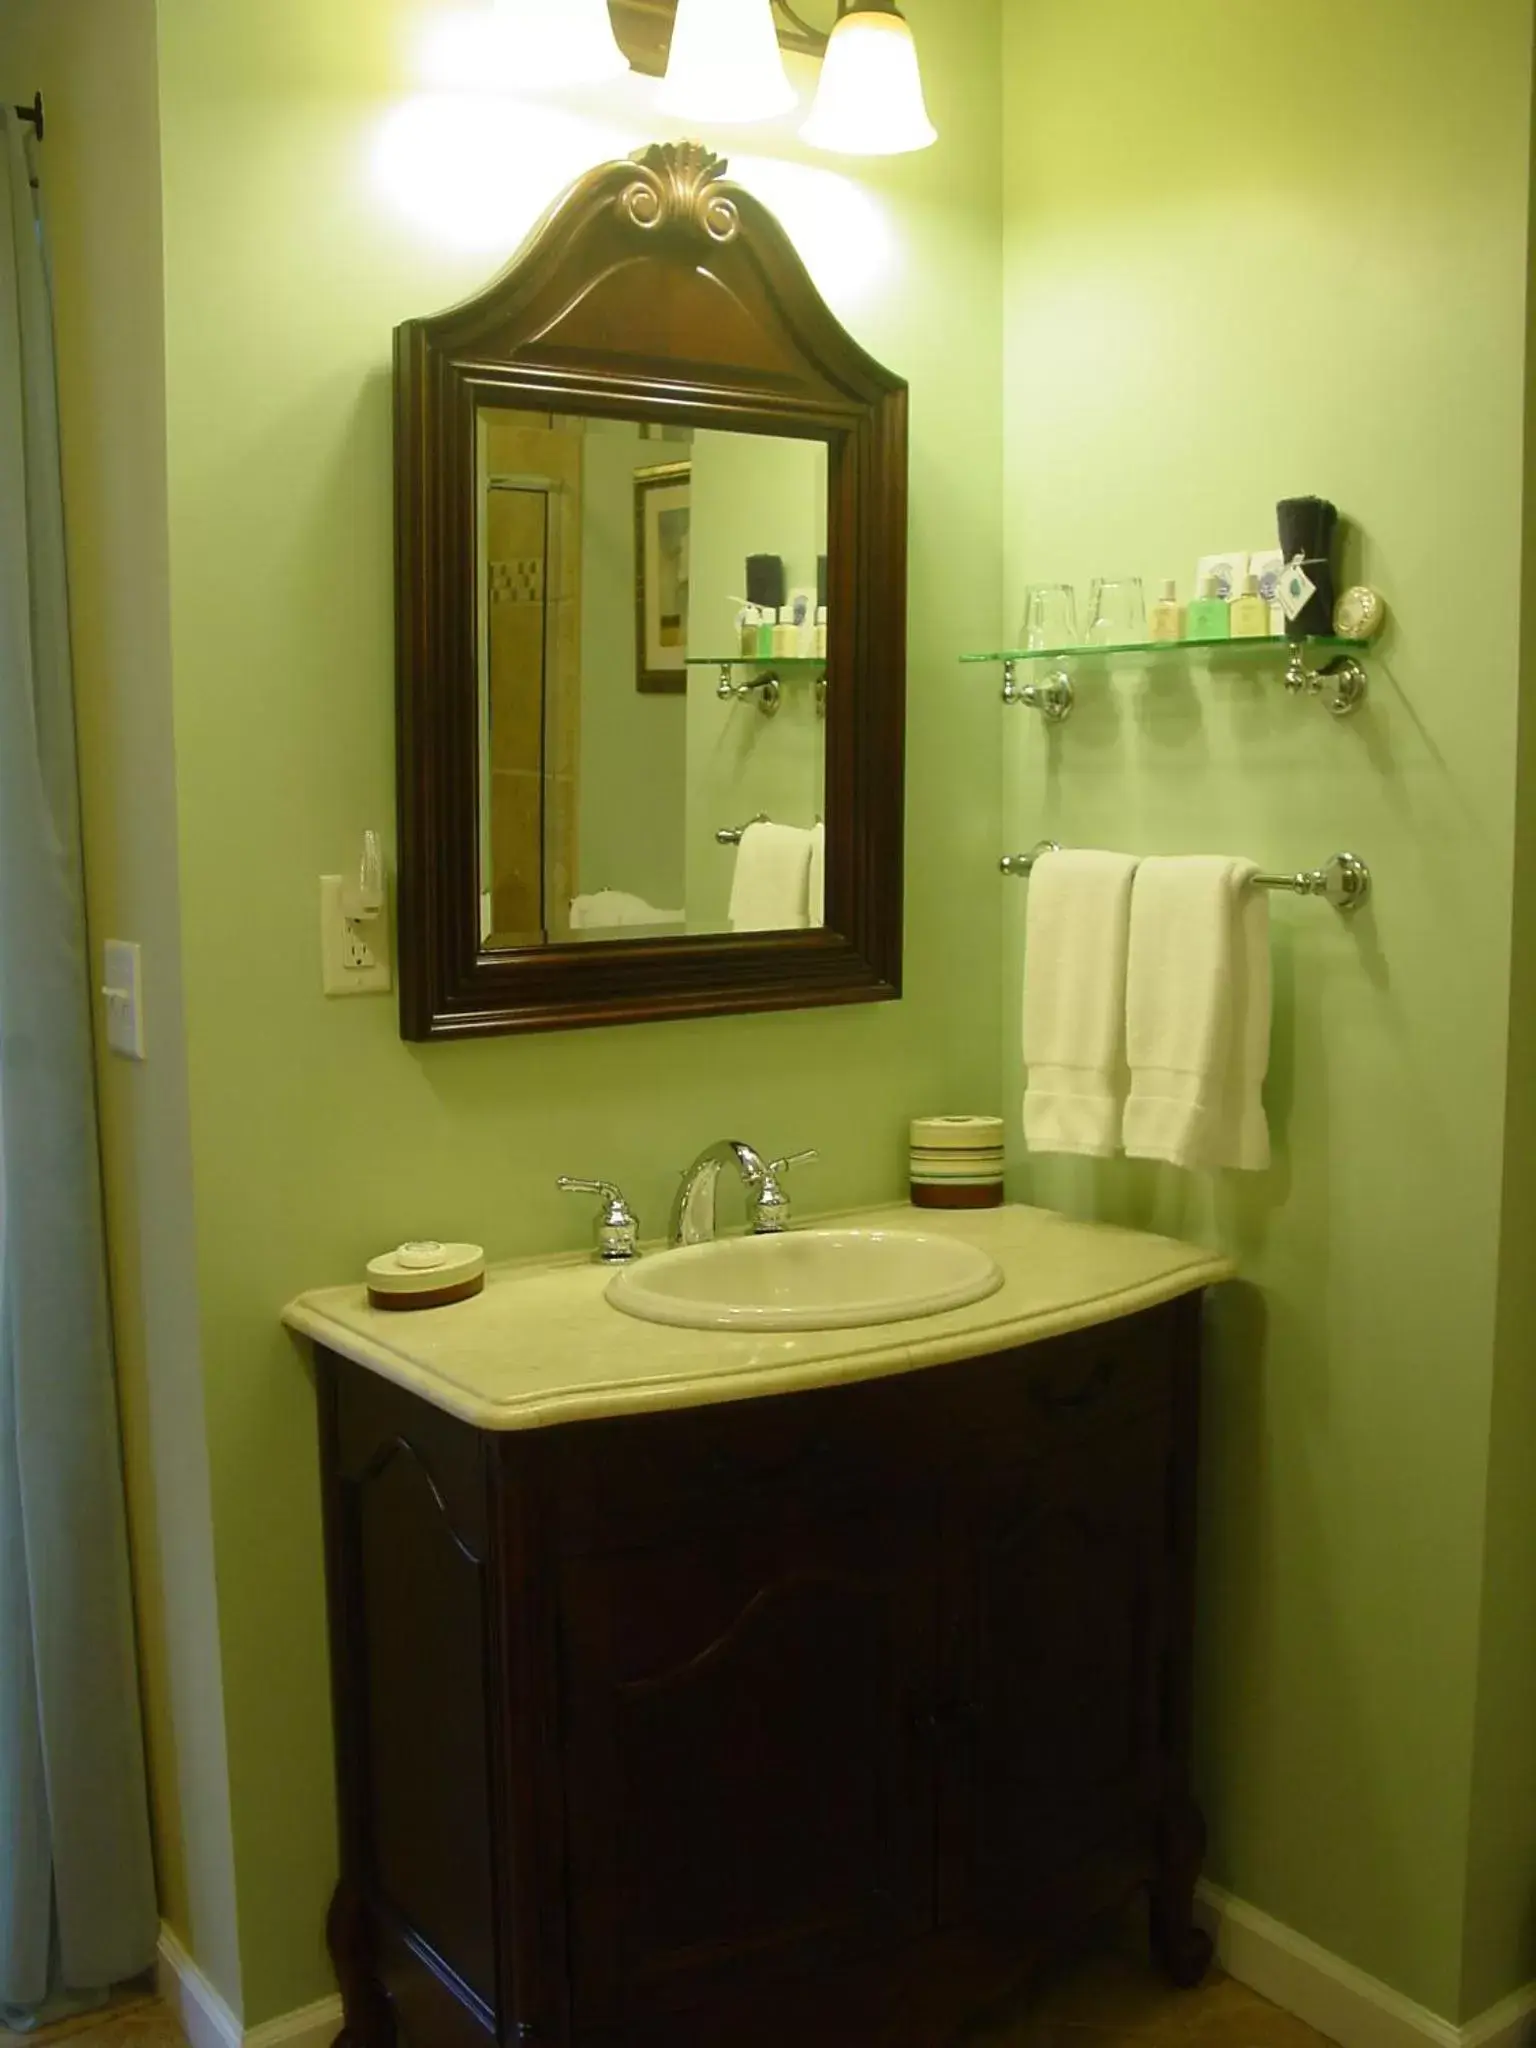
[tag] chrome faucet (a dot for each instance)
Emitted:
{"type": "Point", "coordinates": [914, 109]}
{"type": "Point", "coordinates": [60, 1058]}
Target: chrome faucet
{"type": "Point", "coordinates": [695, 1212]}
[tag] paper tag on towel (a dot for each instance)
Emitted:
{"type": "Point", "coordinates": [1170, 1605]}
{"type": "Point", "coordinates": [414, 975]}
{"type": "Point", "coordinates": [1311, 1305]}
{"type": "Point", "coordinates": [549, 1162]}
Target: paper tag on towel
{"type": "Point", "coordinates": [1296, 589]}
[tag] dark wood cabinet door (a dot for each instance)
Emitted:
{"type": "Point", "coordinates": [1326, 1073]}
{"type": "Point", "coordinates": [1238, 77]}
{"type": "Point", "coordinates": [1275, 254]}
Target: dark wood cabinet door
{"type": "Point", "coordinates": [1060, 1619]}
{"type": "Point", "coordinates": [750, 1791]}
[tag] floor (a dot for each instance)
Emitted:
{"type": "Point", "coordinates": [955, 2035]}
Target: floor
{"type": "Point", "coordinates": [1107, 1999]}
{"type": "Point", "coordinates": [135, 2021]}
{"type": "Point", "coordinates": [1111, 1998]}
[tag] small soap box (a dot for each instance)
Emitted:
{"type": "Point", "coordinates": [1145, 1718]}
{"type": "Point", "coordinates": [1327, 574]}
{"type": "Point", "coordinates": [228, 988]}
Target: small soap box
{"type": "Point", "coordinates": [957, 1162]}
{"type": "Point", "coordinates": [426, 1274]}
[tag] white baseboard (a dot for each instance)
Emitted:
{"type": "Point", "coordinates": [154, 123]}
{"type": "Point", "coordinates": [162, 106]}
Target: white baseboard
{"type": "Point", "coordinates": [312, 2026]}
{"type": "Point", "coordinates": [1356, 2010]}
{"type": "Point", "coordinates": [1346, 2004]}
{"type": "Point", "coordinates": [208, 2022]}
{"type": "Point", "coordinates": [205, 2019]}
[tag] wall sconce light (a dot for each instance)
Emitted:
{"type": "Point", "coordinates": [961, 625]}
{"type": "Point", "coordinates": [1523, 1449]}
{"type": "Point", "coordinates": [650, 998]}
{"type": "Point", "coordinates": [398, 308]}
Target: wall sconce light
{"type": "Point", "coordinates": [721, 64]}
{"type": "Point", "coordinates": [870, 100]}
{"type": "Point", "coordinates": [560, 42]}
{"type": "Point", "coordinates": [725, 64]}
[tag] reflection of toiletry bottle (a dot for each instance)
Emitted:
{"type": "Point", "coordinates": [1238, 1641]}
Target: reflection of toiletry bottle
{"type": "Point", "coordinates": [785, 639]}
{"type": "Point", "coordinates": [1210, 616]}
{"type": "Point", "coordinates": [749, 619]}
{"type": "Point", "coordinates": [1250, 614]}
{"type": "Point", "coordinates": [821, 632]}
{"type": "Point", "coordinates": [1167, 621]}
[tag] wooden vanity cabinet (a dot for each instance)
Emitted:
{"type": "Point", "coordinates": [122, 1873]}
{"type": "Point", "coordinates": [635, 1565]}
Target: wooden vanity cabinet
{"type": "Point", "coordinates": [818, 1718]}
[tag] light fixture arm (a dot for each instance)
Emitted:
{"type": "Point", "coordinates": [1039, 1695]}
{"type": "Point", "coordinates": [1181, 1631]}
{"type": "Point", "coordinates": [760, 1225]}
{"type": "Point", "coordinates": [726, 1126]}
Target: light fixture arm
{"type": "Point", "coordinates": [800, 25]}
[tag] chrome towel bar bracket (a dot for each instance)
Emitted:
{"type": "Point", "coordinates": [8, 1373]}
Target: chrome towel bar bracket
{"type": "Point", "coordinates": [733, 835]}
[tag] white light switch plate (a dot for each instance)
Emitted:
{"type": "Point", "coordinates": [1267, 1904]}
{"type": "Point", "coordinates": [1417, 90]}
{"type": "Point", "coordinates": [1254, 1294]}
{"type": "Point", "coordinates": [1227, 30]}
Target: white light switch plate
{"type": "Point", "coordinates": [355, 958]}
{"type": "Point", "coordinates": [123, 993]}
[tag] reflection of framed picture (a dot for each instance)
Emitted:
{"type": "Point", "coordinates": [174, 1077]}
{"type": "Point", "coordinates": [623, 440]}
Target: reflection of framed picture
{"type": "Point", "coordinates": [663, 500]}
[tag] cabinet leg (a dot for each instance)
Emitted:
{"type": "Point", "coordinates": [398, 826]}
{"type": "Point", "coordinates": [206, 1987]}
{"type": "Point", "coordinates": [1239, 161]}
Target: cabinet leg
{"type": "Point", "coordinates": [1182, 1948]}
{"type": "Point", "coordinates": [369, 2019]}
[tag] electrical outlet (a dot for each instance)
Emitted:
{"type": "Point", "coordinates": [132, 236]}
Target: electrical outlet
{"type": "Point", "coordinates": [354, 953]}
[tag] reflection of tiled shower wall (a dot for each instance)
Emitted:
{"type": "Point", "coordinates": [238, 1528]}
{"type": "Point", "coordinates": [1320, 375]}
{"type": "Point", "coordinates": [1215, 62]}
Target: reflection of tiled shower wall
{"type": "Point", "coordinates": [534, 631]}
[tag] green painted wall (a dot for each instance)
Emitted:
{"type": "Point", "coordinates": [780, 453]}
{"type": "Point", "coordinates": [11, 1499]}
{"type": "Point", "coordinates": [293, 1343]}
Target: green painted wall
{"type": "Point", "coordinates": [1500, 1933]}
{"type": "Point", "coordinates": [310, 204]}
{"type": "Point", "coordinates": [1223, 288]}
{"type": "Point", "coordinates": [750, 497]}
{"type": "Point", "coordinates": [634, 748]}
{"type": "Point", "coordinates": [1368, 1600]}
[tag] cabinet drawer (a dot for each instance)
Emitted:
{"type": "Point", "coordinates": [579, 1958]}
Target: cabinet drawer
{"type": "Point", "coordinates": [643, 1478]}
{"type": "Point", "coordinates": [1043, 1400]}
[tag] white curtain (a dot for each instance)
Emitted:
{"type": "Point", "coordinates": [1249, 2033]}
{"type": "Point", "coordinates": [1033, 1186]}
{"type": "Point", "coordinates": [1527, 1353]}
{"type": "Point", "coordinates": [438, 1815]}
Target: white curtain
{"type": "Point", "coordinates": [77, 1901]}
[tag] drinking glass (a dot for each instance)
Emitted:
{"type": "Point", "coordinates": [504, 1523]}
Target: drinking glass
{"type": "Point", "coordinates": [1050, 616]}
{"type": "Point", "coordinates": [1117, 612]}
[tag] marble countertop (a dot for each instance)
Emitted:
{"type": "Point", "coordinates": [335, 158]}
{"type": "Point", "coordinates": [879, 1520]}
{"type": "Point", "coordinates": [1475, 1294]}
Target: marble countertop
{"type": "Point", "coordinates": [541, 1345]}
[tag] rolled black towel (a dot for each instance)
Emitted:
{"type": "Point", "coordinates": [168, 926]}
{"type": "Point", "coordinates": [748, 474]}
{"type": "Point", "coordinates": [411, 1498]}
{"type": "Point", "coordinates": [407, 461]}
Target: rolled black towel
{"type": "Point", "coordinates": [765, 581]}
{"type": "Point", "coordinates": [1309, 528]}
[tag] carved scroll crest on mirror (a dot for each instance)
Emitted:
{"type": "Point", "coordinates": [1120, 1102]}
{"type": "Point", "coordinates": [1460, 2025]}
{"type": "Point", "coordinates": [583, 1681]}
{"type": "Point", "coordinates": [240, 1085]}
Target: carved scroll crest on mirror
{"type": "Point", "coordinates": [649, 419]}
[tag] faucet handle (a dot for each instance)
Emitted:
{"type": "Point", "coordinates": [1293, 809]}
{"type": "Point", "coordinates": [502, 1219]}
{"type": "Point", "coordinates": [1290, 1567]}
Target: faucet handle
{"type": "Point", "coordinates": [770, 1207]}
{"type": "Point", "coordinates": [794, 1159]}
{"type": "Point", "coordinates": [618, 1227]}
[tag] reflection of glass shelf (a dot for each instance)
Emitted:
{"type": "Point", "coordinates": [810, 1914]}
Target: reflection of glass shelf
{"type": "Point", "coordinates": [1079, 653]}
{"type": "Point", "coordinates": [766, 660]}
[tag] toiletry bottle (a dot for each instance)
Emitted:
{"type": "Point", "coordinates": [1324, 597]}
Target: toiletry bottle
{"type": "Point", "coordinates": [765, 624]}
{"type": "Point", "coordinates": [1250, 614]}
{"type": "Point", "coordinates": [821, 632]}
{"type": "Point", "coordinates": [785, 639]}
{"type": "Point", "coordinates": [748, 629]}
{"type": "Point", "coordinates": [1210, 616]}
{"type": "Point", "coordinates": [1167, 621]}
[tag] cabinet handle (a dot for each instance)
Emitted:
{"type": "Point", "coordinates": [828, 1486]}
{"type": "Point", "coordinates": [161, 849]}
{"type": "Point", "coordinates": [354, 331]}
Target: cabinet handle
{"type": "Point", "coordinates": [1088, 1395]}
{"type": "Point", "coordinates": [945, 1720]}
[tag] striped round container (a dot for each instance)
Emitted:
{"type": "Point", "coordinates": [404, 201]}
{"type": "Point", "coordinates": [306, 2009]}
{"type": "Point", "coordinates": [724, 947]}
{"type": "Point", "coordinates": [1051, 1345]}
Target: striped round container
{"type": "Point", "coordinates": [957, 1162]}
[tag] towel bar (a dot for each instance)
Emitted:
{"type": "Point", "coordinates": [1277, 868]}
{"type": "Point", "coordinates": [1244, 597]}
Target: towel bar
{"type": "Point", "coordinates": [1344, 880]}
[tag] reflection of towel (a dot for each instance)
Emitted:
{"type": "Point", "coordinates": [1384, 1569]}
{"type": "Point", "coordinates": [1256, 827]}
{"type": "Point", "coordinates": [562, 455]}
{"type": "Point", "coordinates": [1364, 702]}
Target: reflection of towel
{"type": "Point", "coordinates": [609, 909]}
{"type": "Point", "coordinates": [773, 873]}
{"type": "Point", "coordinates": [816, 889]}
{"type": "Point", "coordinates": [1197, 1015]}
{"type": "Point", "coordinates": [1074, 1001]}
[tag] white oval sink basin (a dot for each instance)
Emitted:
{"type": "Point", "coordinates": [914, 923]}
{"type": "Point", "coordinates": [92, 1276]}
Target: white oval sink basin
{"type": "Point", "coordinates": [806, 1280]}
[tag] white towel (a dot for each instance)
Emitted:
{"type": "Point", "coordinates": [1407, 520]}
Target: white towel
{"type": "Point", "coordinates": [1074, 1001]}
{"type": "Point", "coordinates": [816, 888]}
{"type": "Point", "coordinates": [773, 873]}
{"type": "Point", "coordinates": [1197, 1015]}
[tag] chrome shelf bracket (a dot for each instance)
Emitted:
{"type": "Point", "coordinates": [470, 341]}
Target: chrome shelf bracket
{"type": "Point", "coordinates": [767, 690]}
{"type": "Point", "coordinates": [1342, 683]}
{"type": "Point", "coordinates": [1053, 696]}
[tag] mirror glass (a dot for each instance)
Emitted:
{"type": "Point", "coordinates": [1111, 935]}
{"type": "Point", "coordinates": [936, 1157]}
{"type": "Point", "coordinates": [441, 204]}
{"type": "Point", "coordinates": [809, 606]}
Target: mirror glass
{"type": "Point", "coordinates": [646, 771]}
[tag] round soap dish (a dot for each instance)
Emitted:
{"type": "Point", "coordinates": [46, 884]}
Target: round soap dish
{"type": "Point", "coordinates": [425, 1274]}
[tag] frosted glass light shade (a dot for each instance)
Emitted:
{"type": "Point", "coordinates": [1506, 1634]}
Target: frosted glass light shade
{"type": "Point", "coordinates": [726, 65]}
{"type": "Point", "coordinates": [870, 101]}
{"type": "Point", "coordinates": [559, 42]}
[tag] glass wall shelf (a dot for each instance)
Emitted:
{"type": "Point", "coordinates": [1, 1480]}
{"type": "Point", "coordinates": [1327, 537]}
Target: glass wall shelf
{"type": "Point", "coordinates": [782, 660]}
{"type": "Point", "coordinates": [1319, 666]}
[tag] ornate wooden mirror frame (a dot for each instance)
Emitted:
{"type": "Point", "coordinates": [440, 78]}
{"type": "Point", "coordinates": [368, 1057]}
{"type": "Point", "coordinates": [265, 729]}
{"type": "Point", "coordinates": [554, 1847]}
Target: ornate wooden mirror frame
{"type": "Point", "coordinates": [654, 291]}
